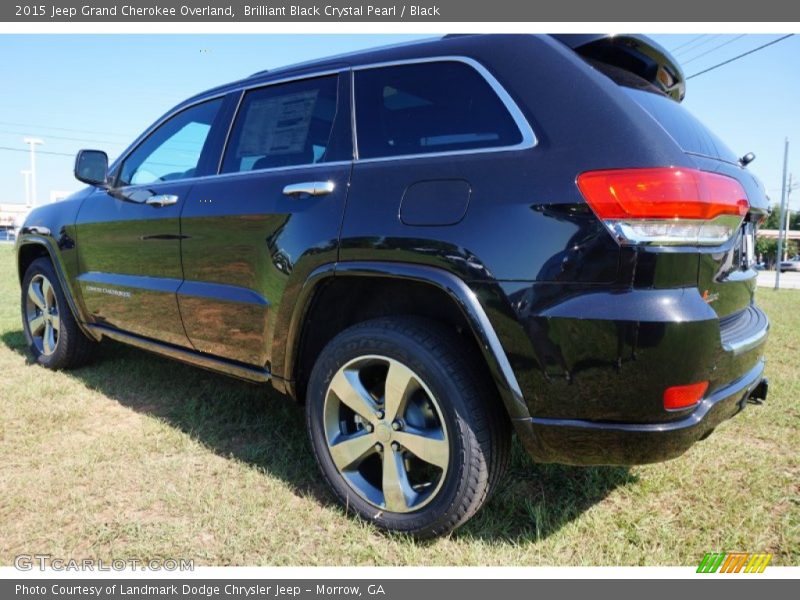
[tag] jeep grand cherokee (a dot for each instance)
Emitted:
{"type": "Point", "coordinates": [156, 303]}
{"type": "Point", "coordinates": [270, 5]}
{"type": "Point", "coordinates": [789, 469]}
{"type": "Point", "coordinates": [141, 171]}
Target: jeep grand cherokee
{"type": "Point", "coordinates": [430, 246]}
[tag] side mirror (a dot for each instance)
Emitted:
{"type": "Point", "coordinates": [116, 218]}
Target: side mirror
{"type": "Point", "coordinates": [91, 166]}
{"type": "Point", "coordinates": [747, 159]}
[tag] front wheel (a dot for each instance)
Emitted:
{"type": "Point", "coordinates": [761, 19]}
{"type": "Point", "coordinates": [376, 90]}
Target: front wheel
{"type": "Point", "coordinates": [53, 336]}
{"type": "Point", "coordinates": [405, 427]}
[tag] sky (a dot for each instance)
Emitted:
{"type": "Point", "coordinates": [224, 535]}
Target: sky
{"type": "Point", "coordinates": [101, 91]}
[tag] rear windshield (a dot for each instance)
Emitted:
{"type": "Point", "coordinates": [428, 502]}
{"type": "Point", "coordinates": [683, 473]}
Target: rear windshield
{"type": "Point", "coordinates": [685, 129]}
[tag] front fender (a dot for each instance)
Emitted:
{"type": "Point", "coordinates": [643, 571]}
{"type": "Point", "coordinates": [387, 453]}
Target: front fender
{"type": "Point", "coordinates": [41, 239]}
{"type": "Point", "coordinates": [49, 230]}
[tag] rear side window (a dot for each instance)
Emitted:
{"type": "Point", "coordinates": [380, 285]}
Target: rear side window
{"type": "Point", "coordinates": [690, 134]}
{"type": "Point", "coordinates": [283, 125]}
{"type": "Point", "coordinates": [426, 108]}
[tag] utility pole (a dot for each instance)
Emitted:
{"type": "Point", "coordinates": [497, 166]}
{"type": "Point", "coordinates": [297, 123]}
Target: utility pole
{"type": "Point", "coordinates": [27, 175]}
{"type": "Point", "coordinates": [33, 142]}
{"type": "Point", "coordinates": [789, 188]}
{"type": "Point", "coordinates": [783, 212]}
{"type": "Point", "coordinates": [793, 185]}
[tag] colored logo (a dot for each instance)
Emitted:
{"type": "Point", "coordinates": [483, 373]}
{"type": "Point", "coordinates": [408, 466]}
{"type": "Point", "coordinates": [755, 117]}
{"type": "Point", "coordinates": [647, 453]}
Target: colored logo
{"type": "Point", "coordinates": [734, 562]}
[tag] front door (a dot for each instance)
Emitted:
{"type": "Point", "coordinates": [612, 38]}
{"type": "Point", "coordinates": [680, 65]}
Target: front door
{"type": "Point", "coordinates": [269, 218]}
{"type": "Point", "coordinates": [129, 236]}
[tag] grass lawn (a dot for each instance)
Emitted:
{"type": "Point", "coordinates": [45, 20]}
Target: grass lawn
{"type": "Point", "coordinates": [140, 457]}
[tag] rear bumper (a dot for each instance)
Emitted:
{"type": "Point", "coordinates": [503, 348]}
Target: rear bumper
{"type": "Point", "coordinates": [574, 441]}
{"type": "Point", "coordinates": [593, 366]}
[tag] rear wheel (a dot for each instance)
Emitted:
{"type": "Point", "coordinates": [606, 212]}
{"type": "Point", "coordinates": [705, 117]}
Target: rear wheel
{"type": "Point", "coordinates": [406, 429]}
{"type": "Point", "coordinates": [53, 336]}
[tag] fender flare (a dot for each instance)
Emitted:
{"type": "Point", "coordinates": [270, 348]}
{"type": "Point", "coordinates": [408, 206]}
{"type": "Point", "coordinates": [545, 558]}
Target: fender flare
{"type": "Point", "coordinates": [285, 354]}
{"type": "Point", "coordinates": [66, 286]}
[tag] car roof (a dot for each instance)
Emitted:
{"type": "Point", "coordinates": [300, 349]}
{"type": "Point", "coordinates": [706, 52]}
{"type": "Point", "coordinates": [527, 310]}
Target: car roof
{"type": "Point", "coordinates": [402, 51]}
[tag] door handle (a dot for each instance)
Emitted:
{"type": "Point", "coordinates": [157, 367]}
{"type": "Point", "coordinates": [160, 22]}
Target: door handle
{"type": "Point", "coordinates": [159, 200]}
{"type": "Point", "coordinates": [36, 229]}
{"type": "Point", "coordinates": [312, 188]}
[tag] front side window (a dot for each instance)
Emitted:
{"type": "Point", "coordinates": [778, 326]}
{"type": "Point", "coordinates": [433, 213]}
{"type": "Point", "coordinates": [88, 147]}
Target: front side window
{"type": "Point", "coordinates": [283, 125]}
{"type": "Point", "coordinates": [173, 150]}
{"type": "Point", "coordinates": [426, 108]}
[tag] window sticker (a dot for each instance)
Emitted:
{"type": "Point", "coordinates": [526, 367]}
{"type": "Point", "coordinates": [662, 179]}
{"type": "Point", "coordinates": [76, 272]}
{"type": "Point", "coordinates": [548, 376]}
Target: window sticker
{"type": "Point", "coordinates": [276, 126]}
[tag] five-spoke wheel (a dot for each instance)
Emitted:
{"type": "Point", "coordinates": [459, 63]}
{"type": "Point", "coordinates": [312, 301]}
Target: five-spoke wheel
{"type": "Point", "coordinates": [405, 424]}
{"type": "Point", "coordinates": [386, 434]}
{"type": "Point", "coordinates": [54, 337]}
{"type": "Point", "coordinates": [41, 313]}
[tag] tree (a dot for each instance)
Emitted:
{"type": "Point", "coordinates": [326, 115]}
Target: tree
{"type": "Point", "coordinates": [773, 220]}
{"type": "Point", "coordinates": [767, 249]}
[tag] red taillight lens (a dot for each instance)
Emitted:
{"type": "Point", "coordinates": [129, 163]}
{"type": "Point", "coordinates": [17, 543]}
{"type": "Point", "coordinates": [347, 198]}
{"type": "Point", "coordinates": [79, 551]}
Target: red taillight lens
{"type": "Point", "coordinates": [666, 205]}
{"type": "Point", "coordinates": [684, 396]}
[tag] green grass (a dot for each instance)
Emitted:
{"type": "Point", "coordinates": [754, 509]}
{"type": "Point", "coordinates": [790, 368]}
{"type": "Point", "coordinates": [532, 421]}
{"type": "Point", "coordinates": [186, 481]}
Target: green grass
{"type": "Point", "coordinates": [140, 457]}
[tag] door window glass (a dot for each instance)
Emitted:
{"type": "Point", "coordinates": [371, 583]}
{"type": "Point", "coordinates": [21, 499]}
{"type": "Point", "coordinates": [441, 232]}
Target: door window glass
{"type": "Point", "coordinates": [429, 107]}
{"type": "Point", "coordinates": [283, 125]}
{"type": "Point", "coordinates": [173, 150]}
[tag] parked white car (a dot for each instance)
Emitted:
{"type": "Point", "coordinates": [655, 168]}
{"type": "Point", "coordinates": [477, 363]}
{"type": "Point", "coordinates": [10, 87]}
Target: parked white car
{"type": "Point", "coordinates": [792, 264]}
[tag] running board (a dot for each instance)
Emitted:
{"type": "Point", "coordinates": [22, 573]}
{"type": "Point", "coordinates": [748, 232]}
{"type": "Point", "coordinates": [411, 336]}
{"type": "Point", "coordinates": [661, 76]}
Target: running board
{"type": "Point", "coordinates": [185, 355]}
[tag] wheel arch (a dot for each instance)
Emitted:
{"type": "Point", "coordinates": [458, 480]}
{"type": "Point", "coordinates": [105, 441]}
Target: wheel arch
{"type": "Point", "coordinates": [305, 333]}
{"type": "Point", "coordinates": [33, 247]}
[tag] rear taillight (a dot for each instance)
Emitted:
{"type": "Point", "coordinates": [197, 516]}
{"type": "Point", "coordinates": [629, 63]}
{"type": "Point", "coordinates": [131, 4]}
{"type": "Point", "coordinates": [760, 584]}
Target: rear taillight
{"type": "Point", "coordinates": [666, 206]}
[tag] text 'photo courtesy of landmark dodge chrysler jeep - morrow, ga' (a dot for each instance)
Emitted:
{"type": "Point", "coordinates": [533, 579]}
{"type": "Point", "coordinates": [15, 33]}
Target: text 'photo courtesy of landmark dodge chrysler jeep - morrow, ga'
{"type": "Point", "coordinates": [430, 246]}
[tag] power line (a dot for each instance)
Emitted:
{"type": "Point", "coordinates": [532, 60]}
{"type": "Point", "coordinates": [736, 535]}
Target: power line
{"type": "Point", "coordinates": [37, 152]}
{"type": "Point", "coordinates": [26, 125]}
{"type": "Point", "coordinates": [693, 43]}
{"type": "Point", "coordinates": [711, 38]}
{"type": "Point", "coordinates": [714, 49]}
{"type": "Point", "coordinates": [695, 38]}
{"type": "Point", "coordinates": [61, 137]}
{"type": "Point", "coordinates": [730, 60]}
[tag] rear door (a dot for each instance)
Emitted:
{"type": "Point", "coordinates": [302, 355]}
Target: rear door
{"type": "Point", "coordinates": [444, 159]}
{"type": "Point", "coordinates": [270, 216]}
{"type": "Point", "coordinates": [129, 237]}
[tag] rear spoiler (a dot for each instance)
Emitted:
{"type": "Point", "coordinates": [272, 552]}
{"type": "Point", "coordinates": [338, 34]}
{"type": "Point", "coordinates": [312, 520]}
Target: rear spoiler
{"type": "Point", "coordinates": [636, 54]}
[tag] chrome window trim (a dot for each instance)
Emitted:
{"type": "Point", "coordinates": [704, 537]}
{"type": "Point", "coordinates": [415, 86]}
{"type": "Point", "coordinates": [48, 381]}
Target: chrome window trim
{"type": "Point", "coordinates": [241, 90]}
{"type": "Point", "coordinates": [528, 141]}
{"type": "Point", "coordinates": [353, 130]}
{"type": "Point", "coordinates": [229, 131]}
{"type": "Point", "coordinates": [336, 163]}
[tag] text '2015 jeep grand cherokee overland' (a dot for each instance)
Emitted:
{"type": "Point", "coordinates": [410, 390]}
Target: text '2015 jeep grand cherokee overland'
{"type": "Point", "coordinates": [428, 245]}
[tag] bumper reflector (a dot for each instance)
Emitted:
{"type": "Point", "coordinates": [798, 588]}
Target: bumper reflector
{"type": "Point", "coordinates": [684, 396]}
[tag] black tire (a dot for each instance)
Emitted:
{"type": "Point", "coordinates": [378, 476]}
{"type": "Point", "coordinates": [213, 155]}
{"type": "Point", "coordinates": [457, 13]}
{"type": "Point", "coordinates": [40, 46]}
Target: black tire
{"type": "Point", "coordinates": [477, 427]}
{"type": "Point", "coordinates": [71, 348]}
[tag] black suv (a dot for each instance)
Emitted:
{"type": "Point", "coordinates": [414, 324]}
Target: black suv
{"type": "Point", "coordinates": [429, 245]}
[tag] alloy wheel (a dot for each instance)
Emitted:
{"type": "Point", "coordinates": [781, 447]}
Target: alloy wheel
{"type": "Point", "coordinates": [386, 434]}
{"type": "Point", "coordinates": [41, 313]}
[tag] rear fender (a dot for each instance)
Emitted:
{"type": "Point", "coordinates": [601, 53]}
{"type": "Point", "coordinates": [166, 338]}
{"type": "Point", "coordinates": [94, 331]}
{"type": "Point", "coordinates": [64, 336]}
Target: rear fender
{"type": "Point", "coordinates": [286, 349]}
